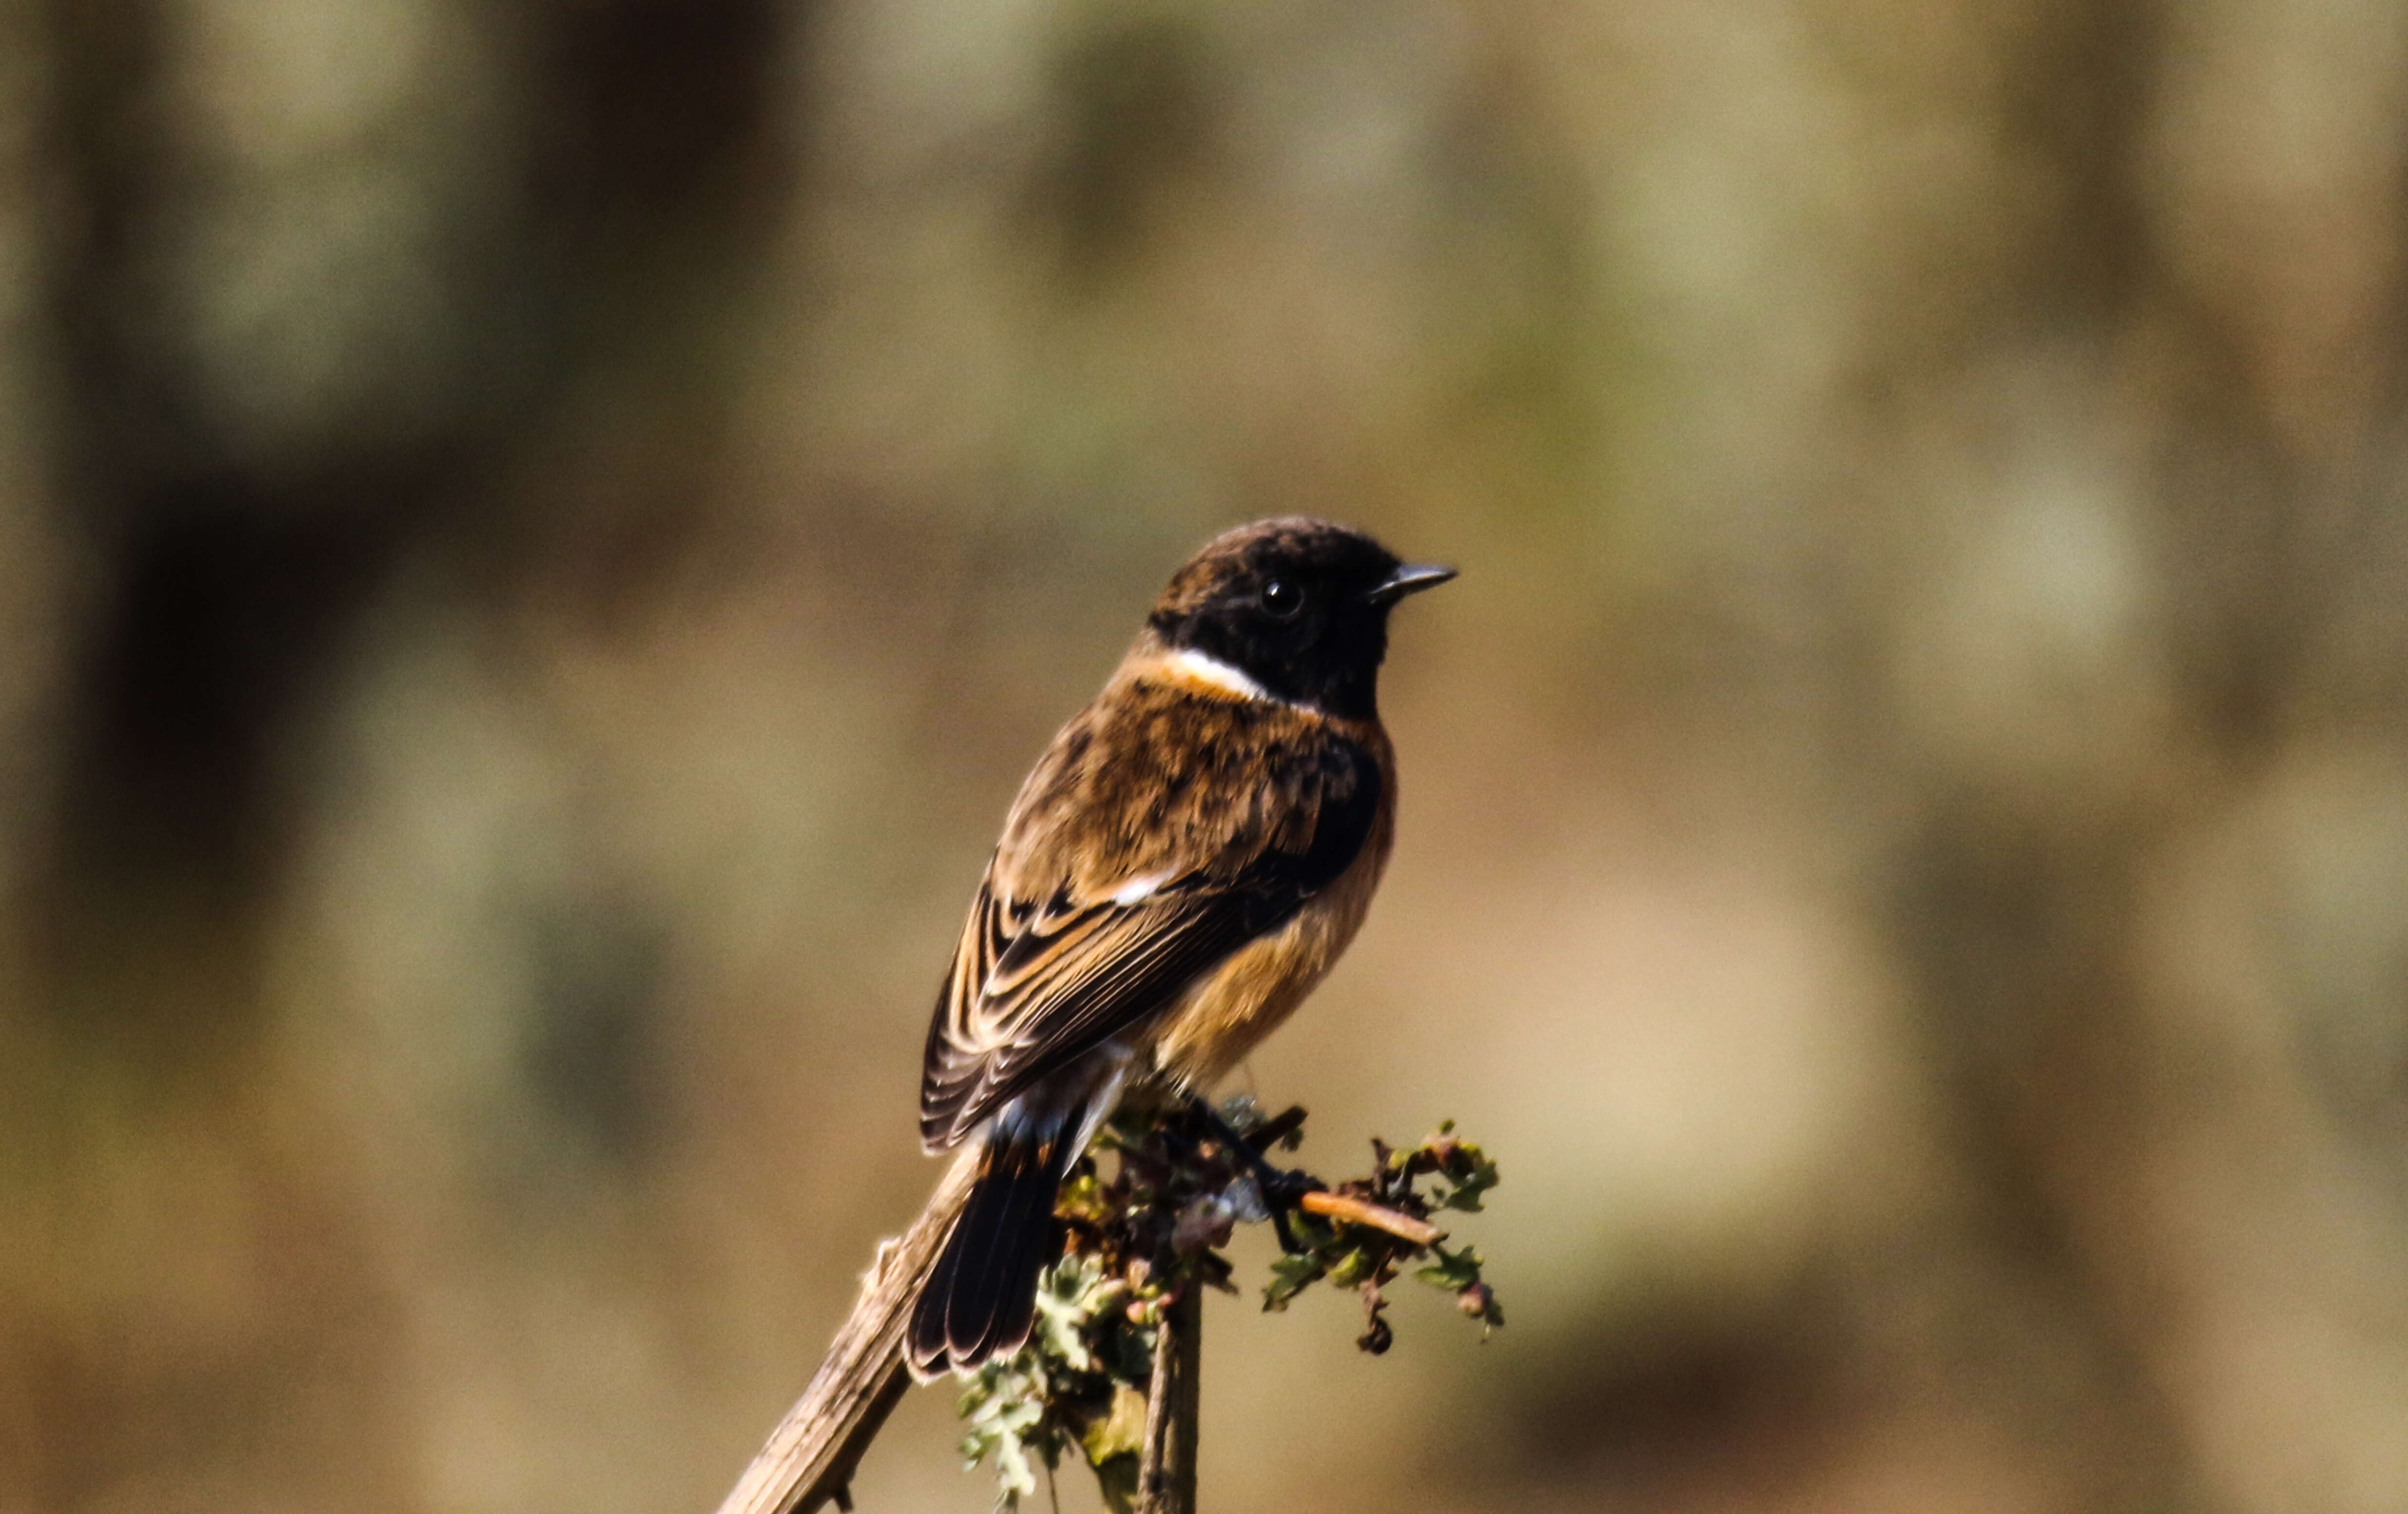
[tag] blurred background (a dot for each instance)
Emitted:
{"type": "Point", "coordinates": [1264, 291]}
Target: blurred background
{"type": "Point", "coordinates": [538, 540]}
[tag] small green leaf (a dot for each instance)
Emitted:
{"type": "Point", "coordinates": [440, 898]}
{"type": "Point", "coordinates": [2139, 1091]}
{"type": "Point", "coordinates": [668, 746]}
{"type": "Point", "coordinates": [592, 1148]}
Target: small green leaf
{"type": "Point", "coordinates": [1464, 1193]}
{"type": "Point", "coordinates": [1012, 1471]}
{"type": "Point", "coordinates": [1116, 1479]}
{"type": "Point", "coordinates": [1312, 1232]}
{"type": "Point", "coordinates": [1083, 1198]}
{"type": "Point", "coordinates": [1121, 1433]}
{"type": "Point", "coordinates": [1454, 1271]}
{"type": "Point", "coordinates": [1065, 1302]}
{"type": "Point", "coordinates": [1291, 1275]}
{"type": "Point", "coordinates": [1352, 1267]}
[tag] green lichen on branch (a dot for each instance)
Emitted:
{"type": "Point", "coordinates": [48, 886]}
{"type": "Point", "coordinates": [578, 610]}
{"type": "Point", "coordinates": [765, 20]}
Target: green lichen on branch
{"type": "Point", "coordinates": [1080, 1382]}
{"type": "Point", "coordinates": [1139, 1238]}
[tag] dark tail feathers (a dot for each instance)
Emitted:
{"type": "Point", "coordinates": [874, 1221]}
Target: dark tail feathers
{"type": "Point", "coordinates": [982, 1299]}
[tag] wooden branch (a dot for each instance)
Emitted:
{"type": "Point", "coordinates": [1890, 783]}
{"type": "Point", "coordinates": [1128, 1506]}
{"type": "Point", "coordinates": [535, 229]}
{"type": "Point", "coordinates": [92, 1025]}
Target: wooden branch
{"type": "Point", "coordinates": [1166, 1476]}
{"type": "Point", "coordinates": [809, 1459]}
{"type": "Point", "coordinates": [1355, 1211]}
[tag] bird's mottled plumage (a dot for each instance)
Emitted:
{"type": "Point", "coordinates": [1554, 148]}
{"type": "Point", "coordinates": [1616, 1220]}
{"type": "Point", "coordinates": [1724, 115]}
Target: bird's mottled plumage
{"type": "Point", "coordinates": [1187, 859]}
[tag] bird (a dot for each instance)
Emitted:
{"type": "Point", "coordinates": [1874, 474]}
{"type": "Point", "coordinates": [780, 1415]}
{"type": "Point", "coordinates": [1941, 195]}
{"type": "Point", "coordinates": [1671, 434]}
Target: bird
{"type": "Point", "coordinates": [1182, 866]}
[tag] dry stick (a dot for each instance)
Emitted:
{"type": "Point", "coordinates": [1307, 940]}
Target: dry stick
{"type": "Point", "coordinates": [1355, 1211]}
{"type": "Point", "coordinates": [810, 1458]}
{"type": "Point", "coordinates": [1166, 1475]}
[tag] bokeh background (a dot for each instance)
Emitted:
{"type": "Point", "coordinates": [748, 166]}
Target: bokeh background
{"type": "Point", "coordinates": [537, 541]}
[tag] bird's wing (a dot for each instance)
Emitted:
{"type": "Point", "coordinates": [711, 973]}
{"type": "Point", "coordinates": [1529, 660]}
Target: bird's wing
{"type": "Point", "coordinates": [1038, 982]}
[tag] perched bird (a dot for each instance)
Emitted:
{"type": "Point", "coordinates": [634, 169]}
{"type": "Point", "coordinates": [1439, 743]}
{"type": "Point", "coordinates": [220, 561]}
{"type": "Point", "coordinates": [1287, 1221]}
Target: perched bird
{"type": "Point", "coordinates": [1187, 859]}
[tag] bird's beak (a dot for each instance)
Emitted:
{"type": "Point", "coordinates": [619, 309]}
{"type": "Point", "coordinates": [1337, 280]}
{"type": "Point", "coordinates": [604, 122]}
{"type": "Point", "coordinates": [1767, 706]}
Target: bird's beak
{"type": "Point", "coordinates": [1410, 578]}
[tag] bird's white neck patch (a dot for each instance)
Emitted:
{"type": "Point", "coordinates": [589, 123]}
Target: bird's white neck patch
{"type": "Point", "coordinates": [1214, 673]}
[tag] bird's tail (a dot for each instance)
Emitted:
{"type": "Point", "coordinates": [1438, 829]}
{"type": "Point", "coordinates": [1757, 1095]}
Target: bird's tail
{"type": "Point", "coordinates": [981, 1299]}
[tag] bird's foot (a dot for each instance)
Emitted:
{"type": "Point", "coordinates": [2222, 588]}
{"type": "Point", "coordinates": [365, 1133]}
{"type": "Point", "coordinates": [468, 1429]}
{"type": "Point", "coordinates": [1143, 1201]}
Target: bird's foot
{"type": "Point", "coordinates": [1282, 1189]}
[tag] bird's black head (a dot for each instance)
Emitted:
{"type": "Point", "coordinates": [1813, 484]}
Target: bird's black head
{"type": "Point", "coordinates": [1299, 606]}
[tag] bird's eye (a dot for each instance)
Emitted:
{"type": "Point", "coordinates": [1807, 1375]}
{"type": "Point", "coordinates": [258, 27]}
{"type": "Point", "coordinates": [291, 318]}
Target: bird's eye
{"type": "Point", "coordinates": [1283, 599]}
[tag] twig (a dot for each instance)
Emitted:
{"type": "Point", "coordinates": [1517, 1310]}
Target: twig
{"type": "Point", "coordinates": [1142, 1247]}
{"type": "Point", "coordinates": [1166, 1477]}
{"type": "Point", "coordinates": [1355, 1211]}
{"type": "Point", "coordinates": [810, 1458]}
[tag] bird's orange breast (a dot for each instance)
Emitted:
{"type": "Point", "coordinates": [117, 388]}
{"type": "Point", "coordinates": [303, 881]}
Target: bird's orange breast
{"type": "Point", "coordinates": [1225, 1014]}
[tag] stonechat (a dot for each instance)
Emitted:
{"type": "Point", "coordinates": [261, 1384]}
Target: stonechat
{"type": "Point", "coordinates": [1185, 862]}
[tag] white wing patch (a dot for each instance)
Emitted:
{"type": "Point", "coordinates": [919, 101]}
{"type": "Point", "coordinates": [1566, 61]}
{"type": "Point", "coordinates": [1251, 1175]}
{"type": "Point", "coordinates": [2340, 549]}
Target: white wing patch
{"type": "Point", "coordinates": [1138, 889]}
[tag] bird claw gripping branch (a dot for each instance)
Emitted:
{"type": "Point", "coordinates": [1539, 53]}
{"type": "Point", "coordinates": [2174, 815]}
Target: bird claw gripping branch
{"type": "Point", "coordinates": [1135, 1241]}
